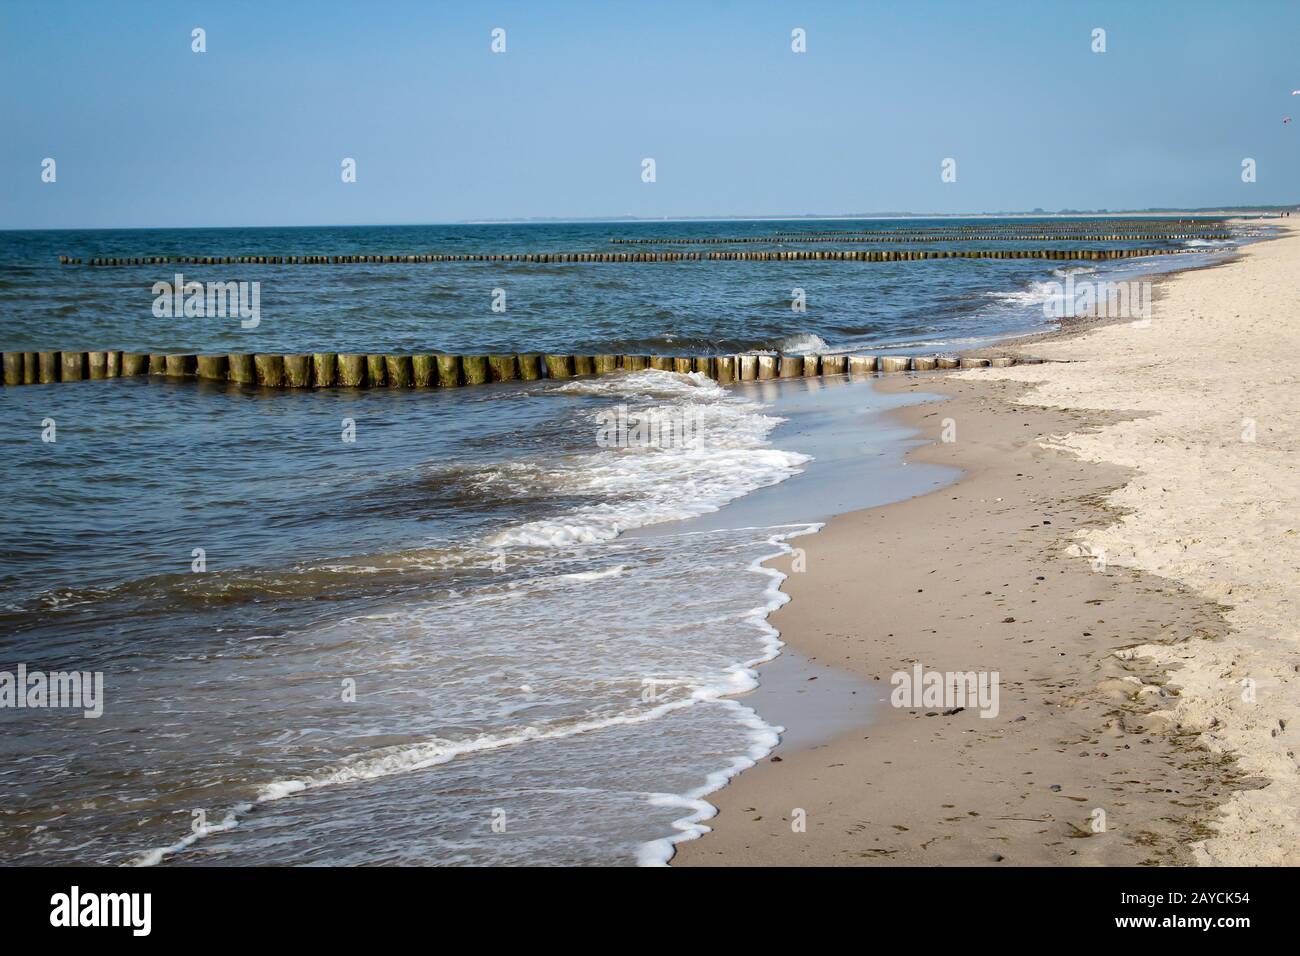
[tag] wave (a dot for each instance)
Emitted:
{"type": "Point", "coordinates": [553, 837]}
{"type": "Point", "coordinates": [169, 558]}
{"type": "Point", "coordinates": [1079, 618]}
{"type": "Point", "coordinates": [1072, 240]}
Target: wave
{"type": "Point", "coordinates": [802, 343]}
{"type": "Point", "coordinates": [711, 448]}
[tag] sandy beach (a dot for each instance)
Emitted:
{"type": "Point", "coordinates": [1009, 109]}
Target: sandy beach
{"type": "Point", "coordinates": [1124, 553]}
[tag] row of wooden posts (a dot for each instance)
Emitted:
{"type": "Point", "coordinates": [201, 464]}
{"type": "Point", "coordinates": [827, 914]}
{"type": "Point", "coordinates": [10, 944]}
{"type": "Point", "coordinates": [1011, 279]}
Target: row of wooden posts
{"type": "Point", "coordinates": [928, 237]}
{"type": "Point", "coordinates": [1130, 226]}
{"type": "Point", "coordinates": [327, 369]}
{"type": "Point", "coordinates": [854, 255]}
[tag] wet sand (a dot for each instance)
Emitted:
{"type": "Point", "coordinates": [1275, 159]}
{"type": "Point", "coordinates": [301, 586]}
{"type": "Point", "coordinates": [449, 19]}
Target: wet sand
{"type": "Point", "coordinates": [1118, 737]}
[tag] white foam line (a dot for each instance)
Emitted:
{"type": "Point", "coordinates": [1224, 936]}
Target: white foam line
{"type": "Point", "coordinates": [765, 736]}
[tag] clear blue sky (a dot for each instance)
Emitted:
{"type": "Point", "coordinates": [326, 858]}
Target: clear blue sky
{"type": "Point", "coordinates": [252, 132]}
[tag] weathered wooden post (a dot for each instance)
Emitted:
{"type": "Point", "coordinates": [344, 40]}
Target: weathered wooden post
{"type": "Point", "coordinates": [635, 363]}
{"type": "Point", "coordinates": [726, 369]}
{"type": "Point", "coordinates": [661, 363]}
{"type": "Point", "coordinates": [924, 363]}
{"type": "Point", "coordinates": [811, 365]}
{"type": "Point", "coordinates": [682, 365]}
{"type": "Point", "coordinates": [1002, 361]}
{"type": "Point", "coordinates": [133, 363]}
{"type": "Point", "coordinates": [475, 368]}
{"type": "Point", "coordinates": [559, 366]}
{"type": "Point", "coordinates": [376, 371]}
{"type": "Point", "coordinates": [74, 366]}
{"type": "Point", "coordinates": [766, 367]}
{"type": "Point", "coordinates": [297, 371]}
{"type": "Point", "coordinates": [212, 367]}
{"type": "Point", "coordinates": [324, 369]}
{"type": "Point", "coordinates": [399, 370]}
{"type": "Point", "coordinates": [862, 364]}
{"type": "Point", "coordinates": [791, 366]}
{"type": "Point", "coordinates": [747, 367]}
{"type": "Point", "coordinates": [503, 368]}
{"type": "Point", "coordinates": [834, 364]}
{"type": "Point", "coordinates": [704, 365]}
{"type": "Point", "coordinates": [352, 370]}
{"type": "Point", "coordinates": [13, 368]}
{"type": "Point", "coordinates": [606, 364]}
{"type": "Point", "coordinates": [530, 366]}
{"type": "Point", "coordinates": [269, 369]}
{"type": "Point", "coordinates": [584, 365]}
{"type": "Point", "coordinates": [968, 361]}
{"type": "Point", "coordinates": [112, 368]}
{"type": "Point", "coordinates": [424, 370]}
{"type": "Point", "coordinates": [179, 366]}
{"type": "Point", "coordinates": [947, 361]}
{"type": "Point", "coordinates": [157, 363]}
{"type": "Point", "coordinates": [449, 373]}
{"type": "Point", "coordinates": [893, 363]}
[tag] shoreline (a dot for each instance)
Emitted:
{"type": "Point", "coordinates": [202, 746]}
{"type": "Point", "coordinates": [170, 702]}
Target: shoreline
{"type": "Point", "coordinates": [1093, 716]}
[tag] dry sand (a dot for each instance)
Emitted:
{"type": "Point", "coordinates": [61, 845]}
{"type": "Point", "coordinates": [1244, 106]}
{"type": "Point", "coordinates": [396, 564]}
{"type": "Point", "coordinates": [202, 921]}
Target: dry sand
{"type": "Point", "coordinates": [1127, 560]}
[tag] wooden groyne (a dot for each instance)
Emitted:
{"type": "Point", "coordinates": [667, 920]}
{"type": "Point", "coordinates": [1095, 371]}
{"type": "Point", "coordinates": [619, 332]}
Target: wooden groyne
{"type": "Point", "coordinates": [437, 370]}
{"type": "Point", "coordinates": [782, 255]}
{"type": "Point", "coordinates": [922, 237]}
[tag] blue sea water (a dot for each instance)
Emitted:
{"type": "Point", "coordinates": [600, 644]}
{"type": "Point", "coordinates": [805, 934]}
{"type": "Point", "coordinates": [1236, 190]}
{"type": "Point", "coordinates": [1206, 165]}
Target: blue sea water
{"type": "Point", "coordinates": [473, 634]}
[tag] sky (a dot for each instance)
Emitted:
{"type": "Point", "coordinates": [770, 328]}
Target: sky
{"type": "Point", "coordinates": [146, 132]}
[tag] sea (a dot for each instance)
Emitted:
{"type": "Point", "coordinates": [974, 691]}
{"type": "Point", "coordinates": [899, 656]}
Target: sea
{"type": "Point", "coordinates": [435, 627]}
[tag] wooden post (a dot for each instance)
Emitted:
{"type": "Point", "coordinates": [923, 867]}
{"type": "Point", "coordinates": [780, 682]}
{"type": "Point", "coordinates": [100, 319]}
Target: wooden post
{"type": "Point", "coordinates": [635, 363]}
{"type": "Point", "coordinates": [584, 365]}
{"type": "Point", "coordinates": [606, 364]}
{"type": "Point", "coordinates": [475, 368]}
{"type": "Point", "coordinates": [269, 369]}
{"type": "Point", "coordinates": [766, 367]}
{"type": "Point", "coordinates": [424, 370]}
{"type": "Point", "coordinates": [811, 365]}
{"type": "Point", "coordinates": [662, 363]}
{"type": "Point", "coordinates": [971, 362]}
{"type": "Point", "coordinates": [212, 367]}
{"type": "Point", "coordinates": [726, 369]}
{"type": "Point", "coordinates": [682, 365]}
{"type": "Point", "coordinates": [862, 364]}
{"type": "Point", "coordinates": [704, 365]}
{"type": "Point", "coordinates": [530, 366]}
{"type": "Point", "coordinates": [448, 371]}
{"type": "Point", "coordinates": [503, 368]}
{"type": "Point", "coordinates": [791, 366]}
{"type": "Point", "coordinates": [1002, 361]}
{"type": "Point", "coordinates": [399, 370]}
{"type": "Point", "coordinates": [747, 367]}
{"type": "Point", "coordinates": [297, 371]}
{"type": "Point", "coordinates": [179, 366]}
{"type": "Point", "coordinates": [559, 366]}
{"type": "Point", "coordinates": [376, 371]}
{"type": "Point", "coordinates": [924, 363]}
{"type": "Point", "coordinates": [352, 370]}
{"type": "Point", "coordinates": [133, 363]}
{"type": "Point", "coordinates": [13, 367]}
{"type": "Point", "coordinates": [894, 363]}
{"type": "Point", "coordinates": [157, 363]}
{"type": "Point", "coordinates": [834, 364]}
{"type": "Point", "coordinates": [324, 369]}
{"type": "Point", "coordinates": [74, 366]}
{"type": "Point", "coordinates": [112, 369]}
{"type": "Point", "coordinates": [947, 361]}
